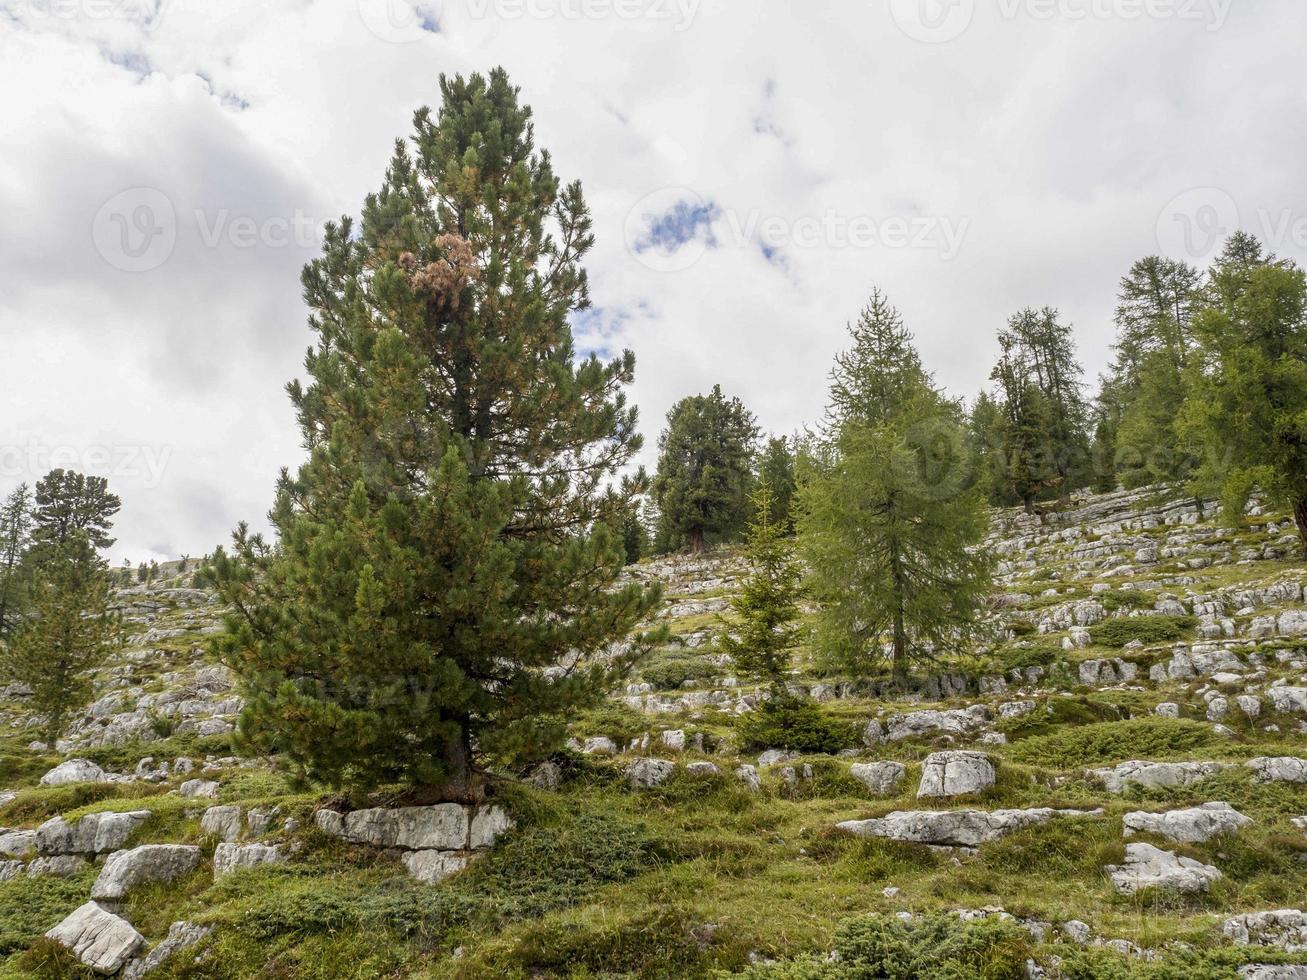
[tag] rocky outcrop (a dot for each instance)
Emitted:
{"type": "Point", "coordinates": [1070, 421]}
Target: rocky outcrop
{"type": "Point", "coordinates": [960, 722]}
{"type": "Point", "coordinates": [1146, 866]}
{"type": "Point", "coordinates": [1189, 826]}
{"type": "Point", "coordinates": [233, 857]}
{"type": "Point", "coordinates": [955, 828]}
{"type": "Point", "coordinates": [647, 773]}
{"type": "Point", "coordinates": [101, 940]}
{"type": "Point", "coordinates": [1283, 928]}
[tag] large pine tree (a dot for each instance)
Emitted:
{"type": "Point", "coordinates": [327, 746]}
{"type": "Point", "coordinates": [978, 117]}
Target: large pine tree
{"type": "Point", "coordinates": [15, 530]}
{"type": "Point", "coordinates": [442, 586]}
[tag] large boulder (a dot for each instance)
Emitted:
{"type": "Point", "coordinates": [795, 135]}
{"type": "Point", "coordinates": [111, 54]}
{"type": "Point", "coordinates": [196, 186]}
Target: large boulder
{"type": "Point", "coordinates": [1291, 700]}
{"type": "Point", "coordinates": [954, 828]}
{"type": "Point", "coordinates": [957, 722]}
{"type": "Point", "coordinates": [1189, 826]}
{"type": "Point", "coordinates": [882, 778]}
{"type": "Point", "coordinates": [74, 771]}
{"type": "Point", "coordinates": [487, 824]}
{"type": "Point", "coordinates": [1278, 769]}
{"type": "Point", "coordinates": [125, 870]}
{"type": "Point", "coordinates": [17, 843]}
{"type": "Point", "coordinates": [955, 774]}
{"type": "Point", "coordinates": [233, 857]}
{"type": "Point", "coordinates": [1146, 866]}
{"type": "Point", "coordinates": [1151, 775]}
{"type": "Point", "coordinates": [101, 940]}
{"type": "Point", "coordinates": [95, 833]}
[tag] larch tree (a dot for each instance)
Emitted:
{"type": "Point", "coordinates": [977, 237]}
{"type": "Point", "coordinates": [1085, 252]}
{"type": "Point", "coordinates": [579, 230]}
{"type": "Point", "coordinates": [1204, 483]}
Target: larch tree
{"type": "Point", "coordinates": [704, 476]}
{"type": "Point", "coordinates": [15, 532]}
{"type": "Point", "coordinates": [1245, 414]}
{"type": "Point", "coordinates": [891, 517]}
{"type": "Point", "coordinates": [442, 591]}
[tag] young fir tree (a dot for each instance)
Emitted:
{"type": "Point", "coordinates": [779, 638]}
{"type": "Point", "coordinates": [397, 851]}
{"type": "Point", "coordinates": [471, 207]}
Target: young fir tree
{"type": "Point", "coordinates": [442, 590]}
{"type": "Point", "coordinates": [68, 636]}
{"type": "Point", "coordinates": [764, 627]}
{"type": "Point", "coordinates": [68, 502]}
{"type": "Point", "coordinates": [703, 480]}
{"type": "Point", "coordinates": [15, 529]}
{"type": "Point", "coordinates": [1245, 416]}
{"type": "Point", "coordinates": [890, 517]}
{"type": "Point", "coordinates": [776, 470]}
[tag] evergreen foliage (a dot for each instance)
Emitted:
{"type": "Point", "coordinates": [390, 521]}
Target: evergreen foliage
{"type": "Point", "coordinates": [890, 518]}
{"type": "Point", "coordinates": [441, 592]}
{"type": "Point", "coordinates": [15, 531]}
{"type": "Point", "coordinates": [764, 627]}
{"type": "Point", "coordinates": [703, 480]}
{"type": "Point", "coordinates": [67, 503]}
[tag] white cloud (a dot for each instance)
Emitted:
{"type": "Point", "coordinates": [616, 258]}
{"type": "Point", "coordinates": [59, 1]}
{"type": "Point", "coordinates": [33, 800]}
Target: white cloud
{"type": "Point", "coordinates": [1042, 147]}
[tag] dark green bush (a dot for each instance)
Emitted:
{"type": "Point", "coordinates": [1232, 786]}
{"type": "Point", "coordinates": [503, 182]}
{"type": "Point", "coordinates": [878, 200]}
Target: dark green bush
{"type": "Point", "coordinates": [1145, 629]}
{"type": "Point", "coordinates": [795, 724]}
{"type": "Point", "coordinates": [669, 669]}
{"type": "Point", "coordinates": [1112, 741]}
{"type": "Point", "coordinates": [937, 947]}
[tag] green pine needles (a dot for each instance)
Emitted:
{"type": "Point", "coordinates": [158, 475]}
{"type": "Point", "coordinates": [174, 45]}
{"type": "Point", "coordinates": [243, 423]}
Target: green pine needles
{"type": "Point", "coordinates": [442, 590]}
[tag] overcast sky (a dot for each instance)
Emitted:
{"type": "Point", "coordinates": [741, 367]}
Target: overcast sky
{"type": "Point", "coordinates": [754, 170]}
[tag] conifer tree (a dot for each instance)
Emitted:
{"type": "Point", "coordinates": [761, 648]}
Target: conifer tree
{"type": "Point", "coordinates": [441, 593]}
{"type": "Point", "coordinates": [891, 518]}
{"type": "Point", "coordinates": [765, 627]}
{"type": "Point", "coordinates": [15, 530]}
{"type": "Point", "coordinates": [776, 469]}
{"type": "Point", "coordinates": [1028, 453]}
{"type": "Point", "coordinates": [68, 636]}
{"type": "Point", "coordinates": [704, 476]}
{"type": "Point", "coordinates": [1245, 415]}
{"type": "Point", "coordinates": [68, 502]}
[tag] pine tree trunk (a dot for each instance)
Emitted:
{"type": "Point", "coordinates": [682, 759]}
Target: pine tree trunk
{"type": "Point", "coordinates": [1300, 518]}
{"type": "Point", "coordinates": [462, 785]}
{"type": "Point", "coordinates": [696, 540]}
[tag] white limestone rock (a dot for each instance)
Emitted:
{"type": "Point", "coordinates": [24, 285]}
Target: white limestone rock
{"type": "Point", "coordinates": [233, 857]}
{"type": "Point", "coordinates": [432, 867]}
{"type": "Point", "coordinates": [222, 822]}
{"type": "Point", "coordinates": [882, 778]}
{"type": "Point", "coordinates": [955, 828]}
{"type": "Point", "coordinates": [181, 936]}
{"type": "Point", "coordinates": [74, 771]}
{"type": "Point", "coordinates": [1149, 867]}
{"type": "Point", "coordinates": [101, 940]}
{"type": "Point", "coordinates": [1285, 929]}
{"type": "Point", "coordinates": [649, 772]}
{"type": "Point", "coordinates": [443, 827]}
{"type": "Point", "coordinates": [125, 870]}
{"type": "Point", "coordinates": [95, 833]}
{"type": "Point", "coordinates": [487, 824]}
{"type": "Point", "coordinates": [18, 843]}
{"type": "Point", "coordinates": [1190, 826]}
{"type": "Point", "coordinates": [1278, 769]}
{"type": "Point", "coordinates": [201, 789]}
{"type": "Point", "coordinates": [955, 774]}
{"type": "Point", "coordinates": [1154, 774]}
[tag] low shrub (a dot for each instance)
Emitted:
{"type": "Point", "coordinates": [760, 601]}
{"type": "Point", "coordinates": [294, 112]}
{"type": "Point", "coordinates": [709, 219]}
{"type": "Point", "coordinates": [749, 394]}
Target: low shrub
{"type": "Point", "coordinates": [670, 669]}
{"type": "Point", "coordinates": [1112, 741]}
{"type": "Point", "coordinates": [29, 906]}
{"type": "Point", "coordinates": [795, 724]}
{"type": "Point", "coordinates": [1145, 629]}
{"type": "Point", "coordinates": [935, 947]}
